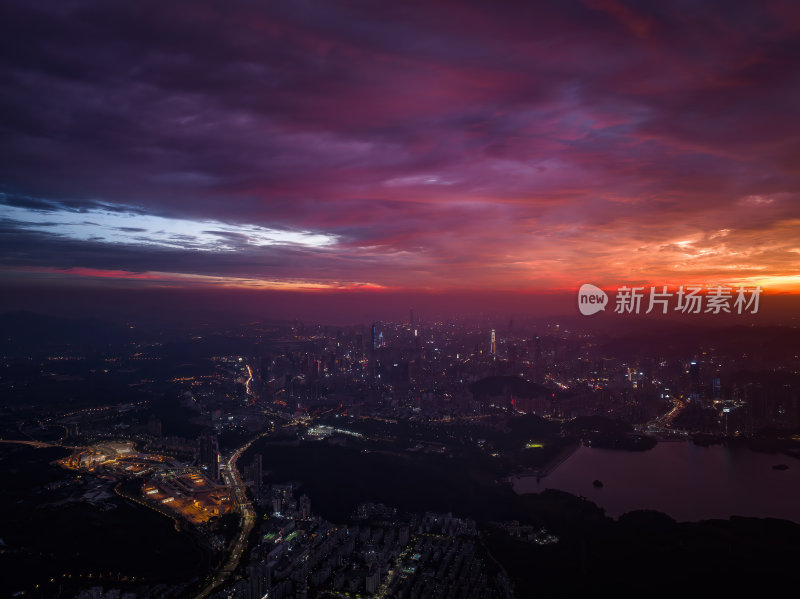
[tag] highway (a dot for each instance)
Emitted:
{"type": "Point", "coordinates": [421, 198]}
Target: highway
{"type": "Point", "coordinates": [39, 444]}
{"type": "Point", "coordinates": [231, 478]}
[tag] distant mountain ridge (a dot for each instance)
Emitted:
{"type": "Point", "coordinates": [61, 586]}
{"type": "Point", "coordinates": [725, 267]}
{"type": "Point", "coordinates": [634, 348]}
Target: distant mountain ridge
{"type": "Point", "coordinates": [25, 331]}
{"type": "Point", "coordinates": [494, 386]}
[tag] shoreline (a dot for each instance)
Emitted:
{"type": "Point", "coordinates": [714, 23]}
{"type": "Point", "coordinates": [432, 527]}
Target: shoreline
{"type": "Point", "coordinates": [543, 471]}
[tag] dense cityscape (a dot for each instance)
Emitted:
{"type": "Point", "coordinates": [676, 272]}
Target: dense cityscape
{"type": "Point", "coordinates": [248, 452]}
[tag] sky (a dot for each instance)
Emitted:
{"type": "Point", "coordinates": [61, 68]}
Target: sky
{"type": "Point", "coordinates": [430, 147]}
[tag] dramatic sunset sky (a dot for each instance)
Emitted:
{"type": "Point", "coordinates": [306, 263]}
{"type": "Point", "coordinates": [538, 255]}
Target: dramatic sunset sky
{"type": "Point", "coordinates": [399, 146]}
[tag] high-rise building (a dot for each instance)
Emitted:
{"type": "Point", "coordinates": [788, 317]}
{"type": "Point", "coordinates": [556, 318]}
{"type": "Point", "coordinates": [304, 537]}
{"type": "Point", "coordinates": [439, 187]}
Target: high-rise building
{"type": "Point", "coordinates": [258, 472]}
{"type": "Point", "coordinates": [254, 473]}
{"type": "Point", "coordinates": [373, 580]}
{"type": "Point", "coordinates": [538, 360]}
{"type": "Point", "coordinates": [374, 345]}
{"type": "Point", "coordinates": [305, 507]}
{"type": "Point", "coordinates": [694, 380]}
{"type": "Point", "coordinates": [493, 345]}
{"type": "Point", "coordinates": [404, 535]}
{"type": "Point", "coordinates": [154, 426]}
{"type": "Point", "coordinates": [411, 316]}
{"type": "Point", "coordinates": [258, 576]}
{"type": "Point", "coordinates": [209, 455]}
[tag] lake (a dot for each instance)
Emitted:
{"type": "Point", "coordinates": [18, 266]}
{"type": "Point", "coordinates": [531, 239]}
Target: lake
{"type": "Point", "coordinates": [681, 479]}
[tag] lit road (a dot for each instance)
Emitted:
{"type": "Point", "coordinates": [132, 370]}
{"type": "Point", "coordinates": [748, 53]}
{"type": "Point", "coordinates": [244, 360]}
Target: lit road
{"type": "Point", "coordinates": [383, 589]}
{"type": "Point", "coordinates": [663, 423]}
{"type": "Point", "coordinates": [248, 381]}
{"type": "Point", "coordinates": [39, 444]}
{"type": "Point", "coordinates": [230, 476]}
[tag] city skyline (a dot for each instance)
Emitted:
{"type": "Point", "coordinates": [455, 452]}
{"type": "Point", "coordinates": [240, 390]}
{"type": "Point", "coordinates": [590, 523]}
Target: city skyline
{"type": "Point", "coordinates": [304, 460]}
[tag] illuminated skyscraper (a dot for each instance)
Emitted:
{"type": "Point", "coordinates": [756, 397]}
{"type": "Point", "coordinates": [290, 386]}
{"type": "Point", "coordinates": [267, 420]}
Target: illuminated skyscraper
{"type": "Point", "coordinates": [493, 346]}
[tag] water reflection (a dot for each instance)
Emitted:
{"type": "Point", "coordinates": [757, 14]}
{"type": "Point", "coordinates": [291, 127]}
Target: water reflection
{"type": "Point", "coordinates": [686, 481]}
